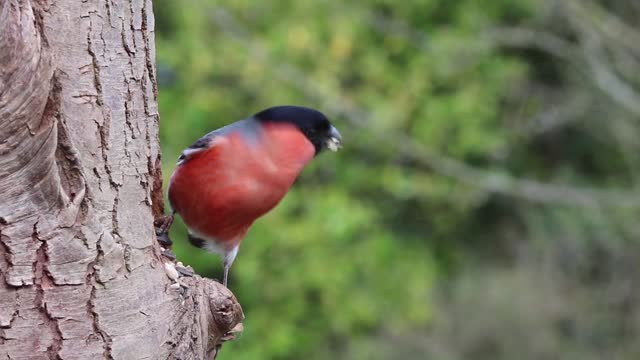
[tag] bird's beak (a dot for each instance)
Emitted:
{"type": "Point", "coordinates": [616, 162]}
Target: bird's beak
{"type": "Point", "coordinates": [334, 142]}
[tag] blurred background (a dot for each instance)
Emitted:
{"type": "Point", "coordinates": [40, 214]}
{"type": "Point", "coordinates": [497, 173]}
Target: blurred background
{"type": "Point", "coordinates": [485, 204]}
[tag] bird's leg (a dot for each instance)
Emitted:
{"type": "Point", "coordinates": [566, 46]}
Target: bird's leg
{"type": "Point", "coordinates": [228, 261]}
{"type": "Point", "coordinates": [229, 257]}
{"type": "Point", "coordinates": [226, 274]}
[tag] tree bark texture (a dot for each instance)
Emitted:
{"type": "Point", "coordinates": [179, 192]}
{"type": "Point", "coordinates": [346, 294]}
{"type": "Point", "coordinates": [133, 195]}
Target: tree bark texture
{"type": "Point", "coordinates": [81, 275]}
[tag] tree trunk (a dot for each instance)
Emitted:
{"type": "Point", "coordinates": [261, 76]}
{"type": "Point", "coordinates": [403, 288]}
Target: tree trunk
{"type": "Point", "coordinates": [81, 275]}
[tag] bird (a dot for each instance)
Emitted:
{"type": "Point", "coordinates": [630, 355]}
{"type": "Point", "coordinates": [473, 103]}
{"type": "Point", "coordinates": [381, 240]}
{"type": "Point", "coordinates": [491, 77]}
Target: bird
{"type": "Point", "coordinates": [232, 176]}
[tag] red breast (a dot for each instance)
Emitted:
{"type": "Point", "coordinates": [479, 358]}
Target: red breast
{"type": "Point", "coordinates": [219, 192]}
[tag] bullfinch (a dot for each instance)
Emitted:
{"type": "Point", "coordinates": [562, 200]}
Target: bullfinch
{"type": "Point", "coordinates": [231, 176]}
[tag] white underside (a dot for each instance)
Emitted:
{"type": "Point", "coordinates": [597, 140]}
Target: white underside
{"type": "Point", "coordinates": [211, 245]}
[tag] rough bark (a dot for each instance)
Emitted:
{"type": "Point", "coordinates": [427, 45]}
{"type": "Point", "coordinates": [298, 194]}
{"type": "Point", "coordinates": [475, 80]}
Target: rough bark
{"type": "Point", "coordinates": [81, 276]}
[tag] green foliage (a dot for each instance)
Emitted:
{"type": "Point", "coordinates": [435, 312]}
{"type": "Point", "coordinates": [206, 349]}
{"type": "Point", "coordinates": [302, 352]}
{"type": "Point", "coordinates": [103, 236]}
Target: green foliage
{"type": "Point", "coordinates": [432, 111]}
{"type": "Point", "coordinates": [348, 252]}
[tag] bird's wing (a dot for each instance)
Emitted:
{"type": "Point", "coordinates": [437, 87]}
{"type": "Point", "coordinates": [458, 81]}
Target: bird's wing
{"type": "Point", "coordinates": [247, 127]}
